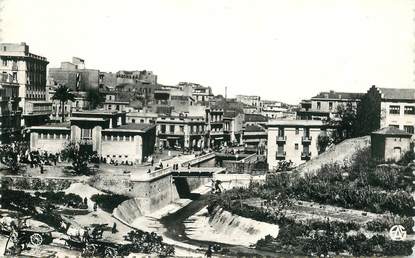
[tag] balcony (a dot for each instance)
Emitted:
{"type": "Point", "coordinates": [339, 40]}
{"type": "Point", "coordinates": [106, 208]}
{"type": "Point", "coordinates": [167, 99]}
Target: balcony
{"type": "Point", "coordinates": [306, 139]}
{"type": "Point", "coordinates": [198, 133]}
{"type": "Point", "coordinates": [305, 155]}
{"type": "Point", "coordinates": [216, 132]}
{"type": "Point", "coordinates": [280, 155]}
{"type": "Point", "coordinates": [171, 133]}
{"type": "Point", "coordinates": [281, 139]}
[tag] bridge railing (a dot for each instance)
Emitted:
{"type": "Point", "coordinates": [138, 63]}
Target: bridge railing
{"type": "Point", "coordinates": [167, 170]}
{"type": "Point", "coordinates": [199, 159]}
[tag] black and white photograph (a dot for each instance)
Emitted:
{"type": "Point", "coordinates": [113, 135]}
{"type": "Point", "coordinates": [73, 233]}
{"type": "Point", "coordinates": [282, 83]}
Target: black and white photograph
{"type": "Point", "coordinates": [207, 128]}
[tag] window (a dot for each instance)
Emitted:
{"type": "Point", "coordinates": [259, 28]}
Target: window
{"type": "Point", "coordinates": [4, 48]}
{"type": "Point", "coordinates": [86, 133]}
{"type": "Point", "coordinates": [133, 121]}
{"type": "Point", "coordinates": [394, 109]}
{"type": "Point", "coordinates": [163, 128]}
{"type": "Point", "coordinates": [306, 132]}
{"type": "Point", "coordinates": [408, 128]}
{"type": "Point", "coordinates": [318, 105]}
{"type": "Point", "coordinates": [14, 76]}
{"type": "Point", "coordinates": [409, 110]}
{"type": "Point", "coordinates": [296, 146]}
{"type": "Point", "coordinates": [4, 62]}
{"type": "Point", "coordinates": [281, 132]}
{"type": "Point", "coordinates": [172, 128]}
{"type": "Point", "coordinates": [182, 129]}
{"type": "Point", "coordinates": [141, 120]}
{"type": "Point", "coordinates": [330, 105]}
{"type": "Point", "coordinates": [397, 126]}
{"type": "Point", "coordinates": [297, 131]}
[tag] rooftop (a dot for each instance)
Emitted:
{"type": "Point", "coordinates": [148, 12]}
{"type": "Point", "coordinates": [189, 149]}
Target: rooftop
{"type": "Point", "coordinates": [286, 122]}
{"type": "Point", "coordinates": [391, 130]}
{"type": "Point", "coordinates": [59, 126]}
{"type": "Point", "coordinates": [96, 111]}
{"type": "Point", "coordinates": [254, 128]}
{"type": "Point", "coordinates": [132, 127]}
{"type": "Point", "coordinates": [338, 95]}
{"type": "Point", "coordinates": [255, 118]}
{"type": "Point", "coordinates": [395, 93]}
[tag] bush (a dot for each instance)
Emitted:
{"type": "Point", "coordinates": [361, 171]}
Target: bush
{"type": "Point", "coordinates": [324, 242]}
{"type": "Point", "coordinates": [108, 202]}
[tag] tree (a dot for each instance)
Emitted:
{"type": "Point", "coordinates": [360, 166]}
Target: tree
{"type": "Point", "coordinates": [343, 123]}
{"type": "Point", "coordinates": [368, 114]}
{"type": "Point", "coordinates": [94, 98]}
{"type": "Point", "coordinates": [323, 141]}
{"type": "Point", "coordinates": [78, 157]}
{"type": "Point", "coordinates": [9, 155]}
{"type": "Point", "coordinates": [63, 94]}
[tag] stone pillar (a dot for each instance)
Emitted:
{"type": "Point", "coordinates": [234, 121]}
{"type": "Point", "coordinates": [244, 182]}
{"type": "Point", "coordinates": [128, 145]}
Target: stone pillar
{"type": "Point", "coordinates": [110, 123]}
{"type": "Point", "coordinates": [138, 142]}
{"type": "Point", "coordinates": [33, 140]}
{"type": "Point", "coordinates": [75, 133]}
{"type": "Point", "coordinates": [97, 139]}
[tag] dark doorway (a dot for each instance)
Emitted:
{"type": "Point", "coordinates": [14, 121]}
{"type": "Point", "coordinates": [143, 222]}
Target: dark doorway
{"type": "Point", "coordinates": [183, 188]}
{"type": "Point", "coordinates": [85, 148]}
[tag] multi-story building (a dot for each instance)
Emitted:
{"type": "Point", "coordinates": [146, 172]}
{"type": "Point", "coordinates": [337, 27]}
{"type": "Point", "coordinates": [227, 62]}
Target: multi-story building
{"type": "Point", "coordinates": [132, 77]}
{"type": "Point", "coordinates": [179, 131]}
{"type": "Point", "coordinates": [325, 104]}
{"type": "Point", "coordinates": [396, 107]}
{"type": "Point", "coordinates": [105, 133]}
{"type": "Point", "coordinates": [142, 117]}
{"type": "Point", "coordinates": [114, 101]}
{"type": "Point", "coordinates": [29, 72]}
{"type": "Point", "coordinates": [75, 76]}
{"type": "Point", "coordinates": [198, 92]}
{"type": "Point", "coordinates": [293, 140]}
{"type": "Point", "coordinates": [254, 101]}
{"type": "Point", "coordinates": [9, 109]}
{"type": "Point", "coordinates": [217, 134]}
{"type": "Point", "coordinates": [255, 139]}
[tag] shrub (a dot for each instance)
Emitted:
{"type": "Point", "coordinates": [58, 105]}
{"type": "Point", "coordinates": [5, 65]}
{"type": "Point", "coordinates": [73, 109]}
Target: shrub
{"type": "Point", "coordinates": [108, 202]}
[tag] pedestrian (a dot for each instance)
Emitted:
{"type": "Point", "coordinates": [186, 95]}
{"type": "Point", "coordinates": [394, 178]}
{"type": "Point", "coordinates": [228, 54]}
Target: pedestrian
{"type": "Point", "coordinates": [85, 201]}
{"type": "Point", "coordinates": [114, 228]}
{"type": "Point", "coordinates": [152, 162]}
{"type": "Point", "coordinates": [209, 252]}
{"type": "Point", "coordinates": [95, 206]}
{"type": "Point", "coordinates": [41, 169]}
{"type": "Point", "coordinates": [149, 171]}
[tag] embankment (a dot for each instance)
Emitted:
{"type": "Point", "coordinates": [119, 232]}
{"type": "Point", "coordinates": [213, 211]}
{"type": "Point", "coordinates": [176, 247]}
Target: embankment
{"type": "Point", "coordinates": [340, 154]}
{"type": "Point", "coordinates": [225, 227]}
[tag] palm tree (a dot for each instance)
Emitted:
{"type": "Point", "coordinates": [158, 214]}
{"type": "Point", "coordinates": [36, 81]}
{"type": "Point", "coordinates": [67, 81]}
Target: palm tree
{"type": "Point", "coordinates": [63, 94]}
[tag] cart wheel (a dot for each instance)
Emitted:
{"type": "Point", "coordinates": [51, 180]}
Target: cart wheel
{"type": "Point", "coordinates": [89, 249]}
{"type": "Point", "coordinates": [36, 239]}
{"type": "Point", "coordinates": [110, 252]}
{"type": "Point", "coordinates": [14, 236]}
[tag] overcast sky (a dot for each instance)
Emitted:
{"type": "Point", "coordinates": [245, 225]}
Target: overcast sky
{"type": "Point", "coordinates": [285, 50]}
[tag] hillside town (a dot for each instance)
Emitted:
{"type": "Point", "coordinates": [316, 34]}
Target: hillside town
{"type": "Point", "coordinates": [117, 164]}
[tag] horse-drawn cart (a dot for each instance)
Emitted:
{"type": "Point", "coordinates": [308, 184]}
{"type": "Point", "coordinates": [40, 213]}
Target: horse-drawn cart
{"type": "Point", "coordinates": [95, 247]}
{"type": "Point", "coordinates": [89, 241]}
{"type": "Point", "coordinates": [21, 233]}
